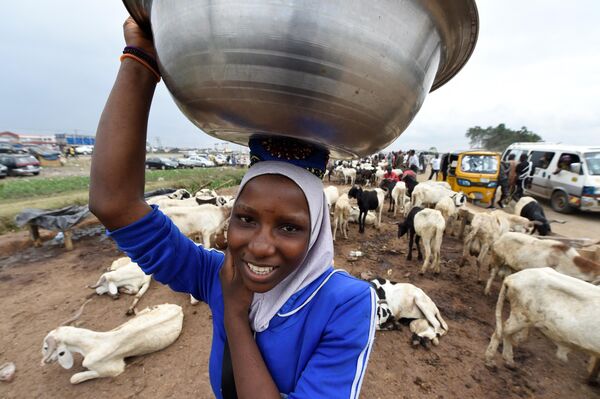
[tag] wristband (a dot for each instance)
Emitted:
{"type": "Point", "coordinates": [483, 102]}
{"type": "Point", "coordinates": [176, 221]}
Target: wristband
{"type": "Point", "coordinates": [143, 58]}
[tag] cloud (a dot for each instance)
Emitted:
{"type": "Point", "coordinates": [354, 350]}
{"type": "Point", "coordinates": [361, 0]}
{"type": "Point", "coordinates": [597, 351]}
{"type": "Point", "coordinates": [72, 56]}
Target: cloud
{"type": "Point", "coordinates": [535, 65]}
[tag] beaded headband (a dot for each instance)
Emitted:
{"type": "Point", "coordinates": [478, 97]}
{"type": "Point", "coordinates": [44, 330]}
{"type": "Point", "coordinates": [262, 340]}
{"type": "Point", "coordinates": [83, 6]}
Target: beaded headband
{"type": "Point", "coordinates": [299, 153]}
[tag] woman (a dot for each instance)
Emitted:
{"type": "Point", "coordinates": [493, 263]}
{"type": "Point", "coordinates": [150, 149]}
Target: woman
{"type": "Point", "coordinates": [285, 324]}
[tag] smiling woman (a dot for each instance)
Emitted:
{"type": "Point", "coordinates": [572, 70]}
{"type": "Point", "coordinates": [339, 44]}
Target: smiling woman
{"type": "Point", "coordinates": [285, 323]}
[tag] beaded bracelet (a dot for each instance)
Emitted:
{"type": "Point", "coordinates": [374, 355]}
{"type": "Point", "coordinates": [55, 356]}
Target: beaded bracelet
{"type": "Point", "coordinates": [143, 58]}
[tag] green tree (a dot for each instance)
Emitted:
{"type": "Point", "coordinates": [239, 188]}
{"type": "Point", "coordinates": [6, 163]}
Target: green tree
{"type": "Point", "coordinates": [499, 137]}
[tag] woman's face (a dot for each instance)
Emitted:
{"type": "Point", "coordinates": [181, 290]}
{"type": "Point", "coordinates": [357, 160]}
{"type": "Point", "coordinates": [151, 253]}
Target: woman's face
{"type": "Point", "coordinates": [269, 231]}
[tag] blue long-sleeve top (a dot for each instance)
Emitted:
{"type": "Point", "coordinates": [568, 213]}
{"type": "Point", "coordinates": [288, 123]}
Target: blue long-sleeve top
{"type": "Point", "coordinates": [318, 344]}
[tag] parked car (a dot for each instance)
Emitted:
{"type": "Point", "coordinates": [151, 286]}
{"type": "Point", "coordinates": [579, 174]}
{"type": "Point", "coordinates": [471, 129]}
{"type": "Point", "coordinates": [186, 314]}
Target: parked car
{"type": "Point", "coordinates": [3, 171]}
{"type": "Point", "coordinates": [184, 162]}
{"type": "Point", "coordinates": [220, 159]}
{"type": "Point", "coordinates": [20, 164]}
{"type": "Point", "coordinates": [202, 161]}
{"type": "Point", "coordinates": [161, 163]}
{"type": "Point", "coordinates": [43, 152]}
{"type": "Point", "coordinates": [84, 149]}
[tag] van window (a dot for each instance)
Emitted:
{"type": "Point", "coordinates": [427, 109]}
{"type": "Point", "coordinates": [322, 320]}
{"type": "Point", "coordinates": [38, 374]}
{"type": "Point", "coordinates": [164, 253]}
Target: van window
{"type": "Point", "coordinates": [592, 160]}
{"type": "Point", "coordinates": [541, 159]}
{"type": "Point", "coordinates": [516, 153]}
{"type": "Point", "coordinates": [565, 161]}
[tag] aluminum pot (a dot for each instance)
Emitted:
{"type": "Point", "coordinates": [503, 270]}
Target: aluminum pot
{"type": "Point", "coordinates": [347, 74]}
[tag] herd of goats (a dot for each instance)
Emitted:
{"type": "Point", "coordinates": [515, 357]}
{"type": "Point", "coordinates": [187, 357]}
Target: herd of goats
{"type": "Point", "coordinates": [548, 284]}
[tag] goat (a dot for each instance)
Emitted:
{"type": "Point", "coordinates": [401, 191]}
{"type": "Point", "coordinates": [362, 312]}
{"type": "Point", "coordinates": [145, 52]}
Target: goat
{"type": "Point", "coordinates": [405, 301]}
{"type": "Point", "coordinates": [348, 173]}
{"type": "Point", "coordinates": [443, 184]}
{"type": "Point", "coordinates": [448, 210]}
{"type": "Point", "coordinates": [430, 195]}
{"type": "Point", "coordinates": [529, 208]}
{"type": "Point", "coordinates": [341, 215]}
{"type": "Point", "coordinates": [123, 276]}
{"type": "Point", "coordinates": [411, 184]}
{"type": "Point", "coordinates": [205, 220]}
{"type": "Point", "coordinates": [370, 219]}
{"type": "Point", "coordinates": [518, 251]}
{"type": "Point", "coordinates": [180, 194]}
{"type": "Point", "coordinates": [367, 200]}
{"type": "Point", "coordinates": [428, 225]}
{"type": "Point", "coordinates": [563, 308]}
{"type": "Point", "coordinates": [331, 194]}
{"type": "Point", "coordinates": [388, 186]}
{"type": "Point", "coordinates": [149, 331]}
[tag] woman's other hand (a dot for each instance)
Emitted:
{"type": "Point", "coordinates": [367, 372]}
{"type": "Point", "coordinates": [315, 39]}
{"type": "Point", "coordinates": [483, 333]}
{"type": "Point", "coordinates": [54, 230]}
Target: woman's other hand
{"type": "Point", "coordinates": [136, 37]}
{"type": "Point", "coordinates": [236, 297]}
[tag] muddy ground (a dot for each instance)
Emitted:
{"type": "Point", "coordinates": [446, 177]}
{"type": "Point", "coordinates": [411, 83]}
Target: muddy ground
{"type": "Point", "coordinates": [41, 287]}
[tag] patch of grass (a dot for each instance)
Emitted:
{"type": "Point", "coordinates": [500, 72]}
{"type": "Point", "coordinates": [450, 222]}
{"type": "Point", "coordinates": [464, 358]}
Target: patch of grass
{"type": "Point", "coordinates": [52, 193]}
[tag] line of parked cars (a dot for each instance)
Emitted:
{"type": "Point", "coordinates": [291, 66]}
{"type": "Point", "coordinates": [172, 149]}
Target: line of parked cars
{"type": "Point", "coordinates": [174, 163]}
{"type": "Point", "coordinates": [18, 165]}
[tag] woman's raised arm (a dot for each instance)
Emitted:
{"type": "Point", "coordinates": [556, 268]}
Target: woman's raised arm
{"type": "Point", "coordinates": [118, 163]}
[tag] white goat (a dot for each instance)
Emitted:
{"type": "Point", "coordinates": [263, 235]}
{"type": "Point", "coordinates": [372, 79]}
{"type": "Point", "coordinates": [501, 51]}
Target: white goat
{"type": "Point", "coordinates": [341, 215]}
{"type": "Point", "coordinates": [104, 352]}
{"type": "Point", "coordinates": [563, 308]}
{"type": "Point", "coordinates": [443, 184]}
{"type": "Point", "coordinates": [429, 225]}
{"type": "Point", "coordinates": [126, 277]}
{"type": "Point", "coordinates": [513, 252]}
{"type": "Point", "coordinates": [331, 194]}
{"type": "Point", "coordinates": [398, 193]}
{"type": "Point", "coordinates": [205, 220]}
{"type": "Point", "coordinates": [175, 195]}
{"type": "Point", "coordinates": [371, 219]}
{"type": "Point", "coordinates": [448, 210]}
{"type": "Point", "coordinates": [430, 195]}
{"type": "Point", "coordinates": [349, 174]}
{"type": "Point", "coordinates": [405, 301]}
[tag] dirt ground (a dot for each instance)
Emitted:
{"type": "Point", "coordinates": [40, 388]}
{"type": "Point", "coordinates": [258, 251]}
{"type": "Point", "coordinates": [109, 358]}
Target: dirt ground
{"type": "Point", "coordinates": [41, 287]}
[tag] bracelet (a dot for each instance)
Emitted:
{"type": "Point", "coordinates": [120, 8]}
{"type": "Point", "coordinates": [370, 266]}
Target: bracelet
{"type": "Point", "coordinates": [143, 58]}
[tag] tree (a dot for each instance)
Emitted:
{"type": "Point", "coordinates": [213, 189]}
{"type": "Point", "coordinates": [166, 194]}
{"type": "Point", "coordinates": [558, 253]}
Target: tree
{"type": "Point", "coordinates": [499, 137]}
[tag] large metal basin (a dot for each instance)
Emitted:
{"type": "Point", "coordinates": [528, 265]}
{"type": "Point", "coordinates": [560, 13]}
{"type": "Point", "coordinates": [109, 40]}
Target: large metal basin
{"type": "Point", "coordinates": [348, 74]}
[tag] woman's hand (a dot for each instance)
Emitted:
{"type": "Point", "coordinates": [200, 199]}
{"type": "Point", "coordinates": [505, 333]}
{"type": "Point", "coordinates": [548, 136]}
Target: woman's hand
{"type": "Point", "coordinates": [136, 37]}
{"type": "Point", "coordinates": [236, 297]}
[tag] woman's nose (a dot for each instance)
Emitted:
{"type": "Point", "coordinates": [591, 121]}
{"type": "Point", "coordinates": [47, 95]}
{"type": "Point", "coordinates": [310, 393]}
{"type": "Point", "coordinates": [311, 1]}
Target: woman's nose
{"type": "Point", "coordinates": [262, 244]}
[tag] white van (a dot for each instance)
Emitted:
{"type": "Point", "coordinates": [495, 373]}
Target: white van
{"type": "Point", "coordinates": [567, 175]}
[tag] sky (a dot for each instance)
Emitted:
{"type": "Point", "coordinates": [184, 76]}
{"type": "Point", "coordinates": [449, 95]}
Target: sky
{"type": "Point", "coordinates": [536, 64]}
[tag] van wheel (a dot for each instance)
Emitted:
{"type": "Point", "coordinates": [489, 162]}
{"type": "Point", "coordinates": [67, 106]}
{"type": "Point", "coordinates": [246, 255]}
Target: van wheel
{"type": "Point", "coordinates": [560, 202]}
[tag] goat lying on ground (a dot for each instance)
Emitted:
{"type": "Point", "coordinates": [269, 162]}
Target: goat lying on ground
{"type": "Point", "coordinates": [405, 301]}
{"type": "Point", "coordinates": [367, 201]}
{"type": "Point", "coordinates": [563, 308]}
{"type": "Point", "coordinates": [513, 252]}
{"type": "Point", "coordinates": [428, 225]}
{"type": "Point", "coordinates": [124, 276]}
{"type": "Point", "coordinates": [149, 331]}
{"type": "Point", "coordinates": [180, 194]}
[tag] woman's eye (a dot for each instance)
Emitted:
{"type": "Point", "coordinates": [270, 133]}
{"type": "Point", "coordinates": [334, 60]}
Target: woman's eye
{"type": "Point", "coordinates": [288, 228]}
{"type": "Point", "coordinates": [245, 219]}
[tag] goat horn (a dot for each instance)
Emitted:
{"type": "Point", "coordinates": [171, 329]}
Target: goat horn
{"type": "Point", "coordinates": [51, 347]}
{"type": "Point", "coordinates": [557, 221]}
{"type": "Point", "coordinates": [77, 315]}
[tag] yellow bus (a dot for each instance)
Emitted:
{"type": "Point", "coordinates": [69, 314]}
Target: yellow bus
{"type": "Point", "coordinates": [473, 172]}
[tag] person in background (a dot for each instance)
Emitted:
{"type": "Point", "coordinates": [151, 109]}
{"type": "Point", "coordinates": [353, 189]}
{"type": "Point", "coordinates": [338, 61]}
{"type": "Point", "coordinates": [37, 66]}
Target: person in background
{"type": "Point", "coordinates": [523, 170]}
{"type": "Point", "coordinates": [564, 163]}
{"type": "Point", "coordinates": [422, 164]}
{"type": "Point", "coordinates": [512, 174]}
{"type": "Point", "coordinates": [413, 161]}
{"type": "Point", "coordinates": [399, 160]}
{"type": "Point", "coordinates": [502, 184]}
{"type": "Point", "coordinates": [435, 167]}
{"type": "Point", "coordinates": [390, 175]}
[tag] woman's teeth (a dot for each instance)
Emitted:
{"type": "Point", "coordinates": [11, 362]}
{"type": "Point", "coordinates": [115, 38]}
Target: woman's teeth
{"type": "Point", "coordinates": [261, 270]}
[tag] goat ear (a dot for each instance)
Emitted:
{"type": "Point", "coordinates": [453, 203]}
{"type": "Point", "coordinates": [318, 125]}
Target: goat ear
{"type": "Point", "coordinates": [66, 360]}
{"type": "Point", "coordinates": [112, 288]}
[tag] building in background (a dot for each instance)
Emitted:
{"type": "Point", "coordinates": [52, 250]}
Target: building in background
{"type": "Point", "coordinates": [68, 139]}
{"type": "Point", "coordinates": [27, 139]}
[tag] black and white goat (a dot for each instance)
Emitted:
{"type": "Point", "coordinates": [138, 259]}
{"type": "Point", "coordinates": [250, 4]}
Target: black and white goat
{"type": "Point", "coordinates": [529, 208]}
{"type": "Point", "coordinates": [367, 201]}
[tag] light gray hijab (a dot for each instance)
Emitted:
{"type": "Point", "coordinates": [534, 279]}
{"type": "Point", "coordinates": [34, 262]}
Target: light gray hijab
{"type": "Point", "coordinates": [320, 247]}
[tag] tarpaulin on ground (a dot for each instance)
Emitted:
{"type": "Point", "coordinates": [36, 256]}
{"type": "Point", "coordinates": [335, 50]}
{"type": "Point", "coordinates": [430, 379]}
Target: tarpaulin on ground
{"type": "Point", "coordinates": [53, 219]}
